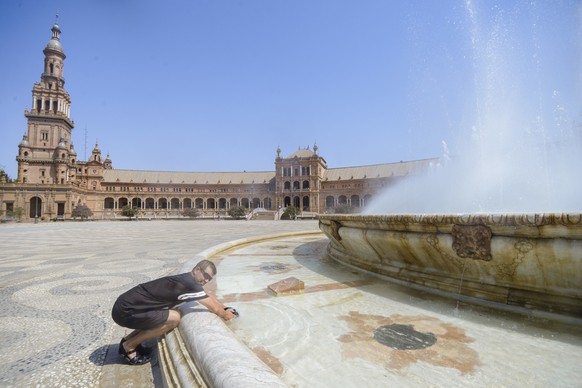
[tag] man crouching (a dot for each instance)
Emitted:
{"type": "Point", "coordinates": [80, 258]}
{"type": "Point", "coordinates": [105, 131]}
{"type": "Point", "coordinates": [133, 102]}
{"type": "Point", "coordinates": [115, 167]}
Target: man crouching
{"type": "Point", "coordinates": [148, 308]}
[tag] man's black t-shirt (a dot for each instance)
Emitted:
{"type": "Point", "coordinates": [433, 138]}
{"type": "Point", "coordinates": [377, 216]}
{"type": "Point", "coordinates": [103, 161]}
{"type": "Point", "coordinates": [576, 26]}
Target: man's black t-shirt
{"type": "Point", "coordinates": [161, 294]}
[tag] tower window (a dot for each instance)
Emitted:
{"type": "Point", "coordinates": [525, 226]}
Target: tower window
{"type": "Point", "coordinates": [52, 68]}
{"type": "Point", "coordinates": [38, 105]}
{"type": "Point", "coordinates": [44, 135]}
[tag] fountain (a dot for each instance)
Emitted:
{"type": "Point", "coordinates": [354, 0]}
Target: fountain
{"type": "Point", "coordinates": [499, 219]}
{"type": "Point", "coordinates": [529, 262]}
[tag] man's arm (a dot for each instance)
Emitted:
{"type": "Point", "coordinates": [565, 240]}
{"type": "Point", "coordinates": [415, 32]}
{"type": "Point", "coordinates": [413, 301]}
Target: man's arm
{"type": "Point", "coordinates": [213, 305]}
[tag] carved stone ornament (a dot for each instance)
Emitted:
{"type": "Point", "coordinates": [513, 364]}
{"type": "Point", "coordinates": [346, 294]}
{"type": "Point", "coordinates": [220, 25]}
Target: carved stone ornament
{"type": "Point", "coordinates": [335, 227]}
{"type": "Point", "coordinates": [472, 241]}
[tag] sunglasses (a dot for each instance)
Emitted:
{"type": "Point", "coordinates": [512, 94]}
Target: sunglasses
{"type": "Point", "coordinates": [207, 277]}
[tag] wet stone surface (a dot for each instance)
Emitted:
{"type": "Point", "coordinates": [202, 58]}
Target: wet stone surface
{"type": "Point", "coordinates": [274, 267]}
{"type": "Point", "coordinates": [403, 337]}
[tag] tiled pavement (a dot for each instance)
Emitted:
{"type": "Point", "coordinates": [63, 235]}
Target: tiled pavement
{"type": "Point", "coordinates": [58, 282]}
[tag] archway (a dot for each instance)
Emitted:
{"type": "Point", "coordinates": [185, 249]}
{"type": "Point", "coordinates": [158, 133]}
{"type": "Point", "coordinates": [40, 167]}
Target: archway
{"type": "Point", "coordinates": [306, 202]}
{"type": "Point", "coordinates": [329, 201]}
{"type": "Point", "coordinates": [297, 202]}
{"type": "Point", "coordinates": [35, 207]}
{"type": "Point", "coordinates": [109, 203]}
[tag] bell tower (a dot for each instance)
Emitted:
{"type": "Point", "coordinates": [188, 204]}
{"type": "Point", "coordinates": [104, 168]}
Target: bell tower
{"type": "Point", "coordinates": [46, 155]}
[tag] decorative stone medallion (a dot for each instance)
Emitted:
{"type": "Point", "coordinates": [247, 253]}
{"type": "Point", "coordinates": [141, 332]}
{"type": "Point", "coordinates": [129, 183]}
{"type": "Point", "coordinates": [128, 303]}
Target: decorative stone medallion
{"type": "Point", "coordinates": [403, 337]}
{"type": "Point", "coordinates": [472, 241]}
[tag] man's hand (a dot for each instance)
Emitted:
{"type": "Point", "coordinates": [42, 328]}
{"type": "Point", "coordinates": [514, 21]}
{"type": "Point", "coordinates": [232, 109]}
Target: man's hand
{"type": "Point", "coordinates": [233, 311]}
{"type": "Point", "coordinates": [229, 313]}
{"type": "Point", "coordinates": [217, 308]}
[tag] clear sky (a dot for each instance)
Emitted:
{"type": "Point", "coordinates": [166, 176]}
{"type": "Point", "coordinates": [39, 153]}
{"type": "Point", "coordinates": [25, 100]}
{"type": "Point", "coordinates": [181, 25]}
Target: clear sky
{"type": "Point", "coordinates": [219, 85]}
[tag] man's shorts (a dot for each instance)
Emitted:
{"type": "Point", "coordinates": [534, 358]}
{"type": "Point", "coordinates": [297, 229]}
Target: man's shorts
{"type": "Point", "coordinates": [142, 321]}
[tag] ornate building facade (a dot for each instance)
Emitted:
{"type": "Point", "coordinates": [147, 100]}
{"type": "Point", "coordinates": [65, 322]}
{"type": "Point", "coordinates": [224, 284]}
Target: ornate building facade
{"type": "Point", "coordinates": [51, 180]}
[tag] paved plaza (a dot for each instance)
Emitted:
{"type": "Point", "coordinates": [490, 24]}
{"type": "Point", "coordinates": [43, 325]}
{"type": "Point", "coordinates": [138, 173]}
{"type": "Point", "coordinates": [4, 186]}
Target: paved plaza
{"type": "Point", "coordinates": [59, 280]}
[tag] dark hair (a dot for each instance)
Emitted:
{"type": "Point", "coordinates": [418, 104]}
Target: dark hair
{"type": "Point", "coordinates": [203, 264]}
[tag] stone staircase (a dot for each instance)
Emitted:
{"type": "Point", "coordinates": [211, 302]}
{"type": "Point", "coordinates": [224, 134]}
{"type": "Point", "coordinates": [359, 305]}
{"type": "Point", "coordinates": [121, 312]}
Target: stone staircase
{"type": "Point", "coordinates": [264, 215]}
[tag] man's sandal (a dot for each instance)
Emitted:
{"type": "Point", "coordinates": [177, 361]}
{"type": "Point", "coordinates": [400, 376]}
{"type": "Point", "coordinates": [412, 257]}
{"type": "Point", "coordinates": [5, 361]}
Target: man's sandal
{"type": "Point", "coordinates": [146, 351]}
{"type": "Point", "coordinates": [138, 359]}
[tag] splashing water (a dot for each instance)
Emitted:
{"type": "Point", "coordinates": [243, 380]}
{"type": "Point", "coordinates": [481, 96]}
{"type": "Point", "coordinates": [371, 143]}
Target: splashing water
{"type": "Point", "coordinates": [523, 152]}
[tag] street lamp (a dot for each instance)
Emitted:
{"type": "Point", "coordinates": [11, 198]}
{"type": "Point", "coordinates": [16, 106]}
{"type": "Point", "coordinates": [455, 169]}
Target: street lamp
{"type": "Point", "coordinates": [36, 206]}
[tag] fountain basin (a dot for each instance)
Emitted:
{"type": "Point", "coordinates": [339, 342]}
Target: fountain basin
{"type": "Point", "coordinates": [522, 261]}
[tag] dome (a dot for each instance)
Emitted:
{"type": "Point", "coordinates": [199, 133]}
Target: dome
{"type": "Point", "coordinates": [55, 44]}
{"type": "Point", "coordinates": [302, 153]}
{"type": "Point", "coordinates": [24, 142]}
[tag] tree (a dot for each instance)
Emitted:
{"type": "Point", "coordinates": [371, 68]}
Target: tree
{"type": "Point", "coordinates": [82, 211]}
{"type": "Point", "coordinates": [237, 212]}
{"type": "Point", "coordinates": [17, 213]}
{"type": "Point", "coordinates": [191, 212]}
{"type": "Point", "coordinates": [290, 213]}
{"type": "Point", "coordinates": [128, 211]}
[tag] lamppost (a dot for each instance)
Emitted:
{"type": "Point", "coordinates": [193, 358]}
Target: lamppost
{"type": "Point", "coordinates": [36, 206]}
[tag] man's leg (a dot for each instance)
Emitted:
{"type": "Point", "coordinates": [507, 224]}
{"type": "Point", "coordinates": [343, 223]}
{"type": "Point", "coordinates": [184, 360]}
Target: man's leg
{"type": "Point", "coordinates": [137, 337]}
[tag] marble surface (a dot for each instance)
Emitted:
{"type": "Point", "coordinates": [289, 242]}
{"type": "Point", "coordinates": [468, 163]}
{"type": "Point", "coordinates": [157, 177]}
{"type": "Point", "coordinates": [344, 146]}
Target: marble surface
{"type": "Point", "coordinates": [527, 261]}
{"type": "Point", "coordinates": [335, 332]}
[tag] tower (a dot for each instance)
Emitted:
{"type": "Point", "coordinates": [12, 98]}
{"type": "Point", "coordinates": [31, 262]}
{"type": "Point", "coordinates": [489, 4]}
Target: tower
{"type": "Point", "coordinates": [45, 154]}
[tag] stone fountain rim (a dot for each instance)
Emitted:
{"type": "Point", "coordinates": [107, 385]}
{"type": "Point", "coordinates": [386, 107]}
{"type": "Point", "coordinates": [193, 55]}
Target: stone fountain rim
{"type": "Point", "coordinates": [501, 219]}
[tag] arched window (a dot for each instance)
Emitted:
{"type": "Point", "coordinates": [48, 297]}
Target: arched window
{"type": "Point", "coordinates": [287, 185]}
{"type": "Point", "coordinates": [305, 184]}
{"type": "Point", "coordinates": [296, 185]}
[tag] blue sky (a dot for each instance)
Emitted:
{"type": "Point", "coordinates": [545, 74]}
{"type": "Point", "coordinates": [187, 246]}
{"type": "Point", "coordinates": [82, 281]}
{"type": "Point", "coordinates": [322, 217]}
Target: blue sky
{"type": "Point", "coordinates": [218, 85]}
